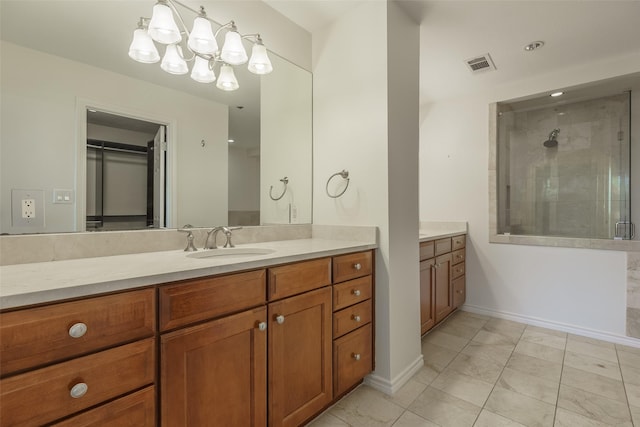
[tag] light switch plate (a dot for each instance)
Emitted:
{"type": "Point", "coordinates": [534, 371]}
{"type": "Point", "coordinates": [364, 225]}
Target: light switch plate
{"type": "Point", "coordinates": [62, 196]}
{"type": "Point", "coordinates": [27, 208]}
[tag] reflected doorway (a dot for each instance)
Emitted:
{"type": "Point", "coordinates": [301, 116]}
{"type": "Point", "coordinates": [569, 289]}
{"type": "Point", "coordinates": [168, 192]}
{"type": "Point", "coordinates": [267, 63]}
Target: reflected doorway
{"type": "Point", "coordinates": [125, 172]}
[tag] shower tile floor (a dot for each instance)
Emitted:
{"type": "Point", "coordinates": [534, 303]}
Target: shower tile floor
{"type": "Point", "coordinates": [483, 371]}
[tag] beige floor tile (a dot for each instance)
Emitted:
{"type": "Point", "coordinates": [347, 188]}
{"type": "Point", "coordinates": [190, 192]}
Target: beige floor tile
{"type": "Point", "coordinates": [489, 337]}
{"type": "Point", "coordinates": [635, 350]}
{"type": "Point", "coordinates": [499, 353]}
{"type": "Point", "coordinates": [504, 325]}
{"type": "Point", "coordinates": [407, 393]}
{"type": "Point", "coordinates": [593, 383]}
{"type": "Point", "coordinates": [540, 351]}
{"type": "Point", "coordinates": [409, 419]}
{"type": "Point", "coordinates": [593, 406]}
{"type": "Point", "coordinates": [437, 357]}
{"type": "Point", "coordinates": [464, 329]}
{"type": "Point", "coordinates": [529, 385]}
{"type": "Point", "coordinates": [630, 375]}
{"type": "Point", "coordinates": [593, 365]}
{"type": "Point", "coordinates": [523, 409]}
{"type": "Point", "coordinates": [593, 341]}
{"type": "Point", "coordinates": [443, 409]}
{"type": "Point", "coordinates": [629, 358]}
{"type": "Point", "coordinates": [537, 336]}
{"type": "Point", "coordinates": [426, 375]}
{"type": "Point", "coordinates": [327, 420]}
{"type": "Point", "coordinates": [633, 394]}
{"type": "Point", "coordinates": [593, 350]}
{"type": "Point", "coordinates": [470, 315]}
{"type": "Point", "coordinates": [536, 367]}
{"type": "Point", "coordinates": [566, 418]}
{"type": "Point", "coordinates": [442, 339]}
{"type": "Point", "coordinates": [463, 387]}
{"type": "Point", "coordinates": [489, 419]}
{"type": "Point", "coordinates": [635, 413]}
{"type": "Point", "coordinates": [546, 331]}
{"type": "Point", "coordinates": [366, 407]}
{"type": "Point", "coordinates": [479, 367]}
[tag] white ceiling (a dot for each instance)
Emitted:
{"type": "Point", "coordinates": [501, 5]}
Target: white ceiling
{"type": "Point", "coordinates": [575, 32]}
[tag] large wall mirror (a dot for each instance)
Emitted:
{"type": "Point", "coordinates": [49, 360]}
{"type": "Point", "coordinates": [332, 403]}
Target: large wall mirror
{"type": "Point", "coordinates": [78, 117]}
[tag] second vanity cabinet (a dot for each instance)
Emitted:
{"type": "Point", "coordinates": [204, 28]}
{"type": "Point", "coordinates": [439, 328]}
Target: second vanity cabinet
{"type": "Point", "coordinates": [442, 280]}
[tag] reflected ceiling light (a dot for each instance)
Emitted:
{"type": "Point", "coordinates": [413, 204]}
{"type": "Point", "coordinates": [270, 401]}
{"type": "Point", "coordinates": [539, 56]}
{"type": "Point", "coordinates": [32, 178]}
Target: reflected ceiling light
{"type": "Point", "coordinates": [201, 44]}
{"type": "Point", "coordinates": [555, 94]}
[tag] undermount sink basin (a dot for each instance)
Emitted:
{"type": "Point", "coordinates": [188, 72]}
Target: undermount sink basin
{"type": "Point", "coordinates": [222, 252]}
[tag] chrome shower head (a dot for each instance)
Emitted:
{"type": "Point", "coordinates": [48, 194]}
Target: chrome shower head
{"type": "Point", "coordinates": [552, 141]}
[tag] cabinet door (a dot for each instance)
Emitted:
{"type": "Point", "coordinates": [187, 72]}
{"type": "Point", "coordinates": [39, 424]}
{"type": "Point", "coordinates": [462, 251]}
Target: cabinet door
{"type": "Point", "coordinates": [214, 374]}
{"type": "Point", "coordinates": [443, 294]}
{"type": "Point", "coordinates": [427, 295]}
{"type": "Point", "coordinates": [300, 357]}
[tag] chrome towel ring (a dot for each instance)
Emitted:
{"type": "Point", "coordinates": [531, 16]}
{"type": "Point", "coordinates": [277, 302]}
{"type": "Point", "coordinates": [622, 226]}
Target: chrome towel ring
{"type": "Point", "coordinates": [345, 175]}
{"type": "Point", "coordinates": [285, 181]}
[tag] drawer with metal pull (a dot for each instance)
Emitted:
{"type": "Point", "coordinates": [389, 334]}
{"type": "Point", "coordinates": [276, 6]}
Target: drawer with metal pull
{"type": "Point", "coordinates": [39, 336]}
{"type": "Point", "coordinates": [350, 318]}
{"type": "Point", "coordinates": [458, 242]}
{"type": "Point", "coordinates": [351, 292]}
{"type": "Point", "coordinates": [457, 256]}
{"type": "Point", "coordinates": [457, 270]}
{"type": "Point", "coordinates": [351, 266]}
{"type": "Point", "coordinates": [352, 356]}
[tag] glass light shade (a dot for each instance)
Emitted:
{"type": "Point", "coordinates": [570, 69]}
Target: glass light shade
{"type": "Point", "coordinates": [142, 48]}
{"type": "Point", "coordinates": [233, 50]}
{"type": "Point", "coordinates": [259, 62]}
{"type": "Point", "coordinates": [227, 79]}
{"type": "Point", "coordinates": [172, 61]}
{"type": "Point", "coordinates": [201, 71]}
{"type": "Point", "coordinates": [201, 39]}
{"type": "Point", "coordinates": [162, 27]}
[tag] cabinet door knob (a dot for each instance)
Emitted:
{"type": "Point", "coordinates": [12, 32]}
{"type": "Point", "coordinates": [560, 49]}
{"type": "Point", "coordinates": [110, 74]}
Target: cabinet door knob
{"type": "Point", "coordinates": [262, 326]}
{"type": "Point", "coordinates": [280, 319]}
{"type": "Point", "coordinates": [356, 356]}
{"type": "Point", "coordinates": [77, 330]}
{"type": "Point", "coordinates": [78, 390]}
{"type": "Point", "coordinates": [357, 266]}
{"type": "Point", "coordinates": [355, 318]}
{"type": "Point", "coordinates": [459, 256]}
{"type": "Point", "coordinates": [356, 292]}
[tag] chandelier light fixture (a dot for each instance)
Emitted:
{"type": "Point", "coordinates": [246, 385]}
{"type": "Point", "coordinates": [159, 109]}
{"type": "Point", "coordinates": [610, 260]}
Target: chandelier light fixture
{"type": "Point", "coordinates": [201, 46]}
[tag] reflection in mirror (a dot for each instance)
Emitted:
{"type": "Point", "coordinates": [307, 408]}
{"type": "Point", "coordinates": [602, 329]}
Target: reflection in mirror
{"type": "Point", "coordinates": [209, 181]}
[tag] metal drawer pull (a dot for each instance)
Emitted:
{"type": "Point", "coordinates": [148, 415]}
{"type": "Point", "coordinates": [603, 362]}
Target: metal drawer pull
{"type": "Point", "coordinates": [262, 326]}
{"type": "Point", "coordinates": [78, 390]}
{"type": "Point", "coordinates": [280, 319]}
{"type": "Point", "coordinates": [459, 256]}
{"type": "Point", "coordinates": [357, 266]}
{"type": "Point", "coordinates": [356, 318]}
{"type": "Point", "coordinates": [77, 330]}
{"type": "Point", "coordinates": [356, 356]}
{"type": "Point", "coordinates": [356, 292]}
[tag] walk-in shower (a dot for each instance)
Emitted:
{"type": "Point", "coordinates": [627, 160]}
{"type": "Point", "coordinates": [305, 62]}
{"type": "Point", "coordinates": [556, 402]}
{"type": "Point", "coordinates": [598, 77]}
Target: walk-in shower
{"type": "Point", "coordinates": [576, 182]}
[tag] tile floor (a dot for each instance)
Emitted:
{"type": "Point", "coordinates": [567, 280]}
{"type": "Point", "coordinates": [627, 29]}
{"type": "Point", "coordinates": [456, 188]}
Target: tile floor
{"type": "Point", "coordinates": [482, 371]}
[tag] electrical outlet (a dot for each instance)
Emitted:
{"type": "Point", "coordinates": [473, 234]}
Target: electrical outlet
{"type": "Point", "coordinates": [28, 208]}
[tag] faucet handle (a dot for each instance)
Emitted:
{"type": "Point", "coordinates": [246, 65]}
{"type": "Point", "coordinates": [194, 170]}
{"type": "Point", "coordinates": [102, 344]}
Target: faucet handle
{"type": "Point", "coordinates": [227, 232]}
{"type": "Point", "coordinates": [186, 228]}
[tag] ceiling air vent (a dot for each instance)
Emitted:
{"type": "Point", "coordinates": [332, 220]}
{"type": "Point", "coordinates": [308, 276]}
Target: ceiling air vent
{"type": "Point", "coordinates": [480, 63]}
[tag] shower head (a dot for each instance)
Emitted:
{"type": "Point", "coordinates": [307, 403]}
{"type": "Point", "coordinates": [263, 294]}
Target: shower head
{"type": "Point", "coordinates": [552, 141]}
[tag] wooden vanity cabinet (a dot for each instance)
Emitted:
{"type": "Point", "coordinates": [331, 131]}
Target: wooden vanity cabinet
{"type": "Point", "coordinates": [442, 283]}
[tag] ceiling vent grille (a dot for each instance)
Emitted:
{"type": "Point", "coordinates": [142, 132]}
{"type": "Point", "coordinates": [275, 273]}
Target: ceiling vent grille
{"type": "Point", "coordinates": [480, 63]}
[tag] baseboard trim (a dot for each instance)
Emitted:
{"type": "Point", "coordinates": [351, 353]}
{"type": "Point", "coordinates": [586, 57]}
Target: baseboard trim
{"type": "Point", "coordinates": [559, 326]}
{"type": "Point", "coordinates": [391, 387]}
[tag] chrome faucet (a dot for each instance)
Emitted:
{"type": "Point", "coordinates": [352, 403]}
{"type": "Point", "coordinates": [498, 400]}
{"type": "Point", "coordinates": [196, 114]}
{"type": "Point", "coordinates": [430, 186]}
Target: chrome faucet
{"type": "Point", "coordinates": [214, 231]}
{"type": "Point", "coordinates": [227, 232]}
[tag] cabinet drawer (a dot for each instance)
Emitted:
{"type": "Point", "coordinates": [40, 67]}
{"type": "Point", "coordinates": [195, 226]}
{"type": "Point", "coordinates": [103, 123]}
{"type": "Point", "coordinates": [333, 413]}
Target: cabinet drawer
{"type": "Point", "coordinates": [108, 374]}
{"type": "Point", "coordinates": [297, 278]}
{"type": "Point", "coordinates": [347, 267]}
{"type": "Point", "coordinates": [442, 246]}
{"type": "Point", "coordinates": [457, 256]}
{"type": "Point", "coordinates": [457, 270]}
{"type": "Point", "coordinates": [134, 410]}
{"type": "Point", "coordinates": [459, 291]}
{"type": "Point", "coordinates": [352, 359]}
{"type": "Point", "coordinates": [458, 242]}
{"type": "Point", "coordinates": [351, 318]}
{"type": "Point", "coordinates": [39, 336]}
{"type": "Point", "coordinates": [351, 292]}
{"type": "Point", "coordinates": [194, 300]}
{"type": "Point", "coordinates": [427, 250]}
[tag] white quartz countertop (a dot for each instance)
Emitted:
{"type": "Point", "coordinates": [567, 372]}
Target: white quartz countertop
{"type": "Point", "coordinates": [427, 235]}
{"type": "Point", "coordinates": [36, 283]}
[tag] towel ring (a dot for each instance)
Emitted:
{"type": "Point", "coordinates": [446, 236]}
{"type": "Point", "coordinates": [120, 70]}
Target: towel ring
{"type": "Point", "coordinates": [285, 181]}
{"type": "Point", "coordinates": [345, 175]}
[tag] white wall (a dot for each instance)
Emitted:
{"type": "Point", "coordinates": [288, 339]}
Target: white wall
{"type": "Point", "coordinates": [355, 129]}
{"type": "Point", "coordinates": [244, 179]}
{"type": "Point", "coordinates": [38, 136]}
{"type": "Point", "coordinates": [573, 287]}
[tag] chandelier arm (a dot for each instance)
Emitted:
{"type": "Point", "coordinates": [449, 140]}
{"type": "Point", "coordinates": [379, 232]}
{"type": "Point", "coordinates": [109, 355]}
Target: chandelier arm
{"type": "Point", "coordinates": [229, 24]}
